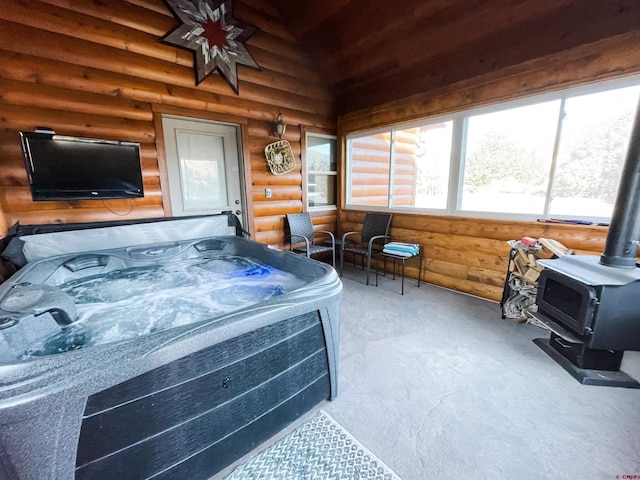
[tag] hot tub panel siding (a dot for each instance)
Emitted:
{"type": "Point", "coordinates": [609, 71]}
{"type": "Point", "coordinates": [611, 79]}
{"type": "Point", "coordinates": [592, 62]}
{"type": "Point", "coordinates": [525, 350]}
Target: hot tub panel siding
{"type": "Point", "coordinates": [194, 416]}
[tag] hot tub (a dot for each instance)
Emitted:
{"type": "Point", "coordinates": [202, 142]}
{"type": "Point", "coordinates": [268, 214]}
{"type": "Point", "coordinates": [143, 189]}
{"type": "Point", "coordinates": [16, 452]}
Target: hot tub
{"type": "Point", "coordinates": [151, 394]}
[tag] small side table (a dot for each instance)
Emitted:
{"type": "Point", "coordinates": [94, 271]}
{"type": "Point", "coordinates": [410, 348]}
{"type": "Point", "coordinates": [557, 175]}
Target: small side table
{"type": "Point", "coordinates": [403, 259]}
{"type": "Point", "coordinates": [338, 247]}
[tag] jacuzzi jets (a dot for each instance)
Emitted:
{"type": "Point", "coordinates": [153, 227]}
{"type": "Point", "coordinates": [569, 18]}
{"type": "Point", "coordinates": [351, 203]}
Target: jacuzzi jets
{"type": "Point", "coordinates": [139, 300]}
{"type": "Point", "coordinates": [114, 295]}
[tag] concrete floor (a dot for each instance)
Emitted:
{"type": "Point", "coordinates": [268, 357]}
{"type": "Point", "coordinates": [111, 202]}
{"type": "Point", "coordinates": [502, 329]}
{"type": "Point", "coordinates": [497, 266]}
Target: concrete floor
{"type": "Point", "coordinates": [438, 386]}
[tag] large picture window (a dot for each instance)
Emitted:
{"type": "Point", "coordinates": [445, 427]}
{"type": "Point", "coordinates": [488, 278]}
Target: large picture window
{"type": "Point", "coordinates": [593, 144]}
{"type": "Point", "coordinates": [557, 155]}
{"type": "Point", "coordinates": [508, 158]}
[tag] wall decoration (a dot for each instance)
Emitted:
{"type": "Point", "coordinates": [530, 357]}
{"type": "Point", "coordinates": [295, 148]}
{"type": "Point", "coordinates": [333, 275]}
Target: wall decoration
{"type": "Point", "coordinates": [216, 38]}
{"type": "Point", "coordinates": [280, 157]}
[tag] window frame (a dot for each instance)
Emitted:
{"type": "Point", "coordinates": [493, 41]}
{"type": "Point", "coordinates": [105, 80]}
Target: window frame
{"type": "Point", "coordinates": [458, 154]}
{"type": "Point", "coordinates": [306, 171]}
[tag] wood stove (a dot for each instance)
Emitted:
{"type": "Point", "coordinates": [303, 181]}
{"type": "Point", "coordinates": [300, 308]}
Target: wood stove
{"type": "Point", "coordinates": [591, 304]}
{"type": "Point", "coordinates": [593, 312]}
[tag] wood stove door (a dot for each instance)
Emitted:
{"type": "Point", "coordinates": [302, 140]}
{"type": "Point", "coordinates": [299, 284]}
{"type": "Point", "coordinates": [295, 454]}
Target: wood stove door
{"type": "Point", "coordinates": [568, 302]}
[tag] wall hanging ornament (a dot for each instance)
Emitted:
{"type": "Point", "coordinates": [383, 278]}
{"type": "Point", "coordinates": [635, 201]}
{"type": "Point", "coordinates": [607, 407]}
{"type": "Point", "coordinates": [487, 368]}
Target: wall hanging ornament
{"type": "Point", "coordinates": [216, 38]}
{"type": "Point", "coordinates": [280, 157]}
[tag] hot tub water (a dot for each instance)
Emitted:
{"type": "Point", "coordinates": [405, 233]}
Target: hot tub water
{"type": "Point", "coordinates": [136, 301]}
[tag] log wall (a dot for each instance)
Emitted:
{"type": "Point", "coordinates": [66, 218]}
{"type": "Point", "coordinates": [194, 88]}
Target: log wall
{"type": "Point", "coordinates": [98, 69]}
{"type": "Point", "coordinates": [470, 254]}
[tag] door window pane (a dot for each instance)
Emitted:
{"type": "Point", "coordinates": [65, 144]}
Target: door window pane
{"type": "Point", "coordinates": [593, 145]}
{"type": "Point", "coordinates": [508, 159]}
{"type": "Point", "coordinates": [369, 169]}
{"type": "Point", "coordinates": [202, 172]}
{"type": "Point", "coordinates": [421, 166]}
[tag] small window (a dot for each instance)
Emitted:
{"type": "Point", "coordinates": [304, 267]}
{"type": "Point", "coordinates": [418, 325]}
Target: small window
{"type": "Point", "coordinates": [322, 170]}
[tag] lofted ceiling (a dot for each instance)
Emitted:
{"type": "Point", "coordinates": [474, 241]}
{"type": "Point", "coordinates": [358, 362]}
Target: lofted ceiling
{"type": "Point", "coordinates": [376, 51]}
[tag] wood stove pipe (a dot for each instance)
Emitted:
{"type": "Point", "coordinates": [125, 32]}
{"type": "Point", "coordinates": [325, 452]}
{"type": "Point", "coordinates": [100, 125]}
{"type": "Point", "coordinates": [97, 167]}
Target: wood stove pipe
{"type": "Point", "coordinates": [624, 230]}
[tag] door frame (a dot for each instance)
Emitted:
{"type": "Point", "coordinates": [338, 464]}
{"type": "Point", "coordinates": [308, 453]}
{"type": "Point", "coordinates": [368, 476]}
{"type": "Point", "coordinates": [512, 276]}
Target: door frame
{"type": "Point", "coordinates": [243, 153]}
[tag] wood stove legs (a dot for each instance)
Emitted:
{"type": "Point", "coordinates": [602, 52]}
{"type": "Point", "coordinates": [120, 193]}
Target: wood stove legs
{"type": "Point", "coordinates": [584, 357]}
{"type": "Point", "coordinates": [588, 366]}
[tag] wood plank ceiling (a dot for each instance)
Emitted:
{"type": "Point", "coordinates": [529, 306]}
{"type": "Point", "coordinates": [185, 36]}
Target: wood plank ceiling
{"type": "Point", "coordinates": [374, 51]}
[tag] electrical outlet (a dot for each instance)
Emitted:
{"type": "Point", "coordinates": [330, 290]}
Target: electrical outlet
{"type": "Point", "coordinates": [268, 193]}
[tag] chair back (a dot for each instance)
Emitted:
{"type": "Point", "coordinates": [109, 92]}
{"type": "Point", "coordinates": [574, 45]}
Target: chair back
{"type": "Point", "coordinates": [300, 225]}
{"type": "Point", "coordinates": [375, 224]}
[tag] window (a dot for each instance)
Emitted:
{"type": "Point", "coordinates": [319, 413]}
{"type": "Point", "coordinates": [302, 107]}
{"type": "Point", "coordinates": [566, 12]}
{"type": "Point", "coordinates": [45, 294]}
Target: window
{"type": "Point", "coordinates": [508, 159]}
{"type": "Point", "coordinates": [201, 170]}
{"type": "Point", "coordinates": [593, 144]}
{"type": "Point", "coordinates": [557, 155]}
{"type": "Point", "coordinates": [421, 166]}
{"type": "Point", "coordinates": [321, 160]}
{"type": "Point", "coordinates": [401, 168]}
{"type": "Point", "coordinates": [369, 170]}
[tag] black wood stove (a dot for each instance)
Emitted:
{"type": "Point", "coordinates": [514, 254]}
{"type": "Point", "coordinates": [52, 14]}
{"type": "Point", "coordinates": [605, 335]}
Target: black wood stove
{"type": "Point", "coordinates": [591, 304]}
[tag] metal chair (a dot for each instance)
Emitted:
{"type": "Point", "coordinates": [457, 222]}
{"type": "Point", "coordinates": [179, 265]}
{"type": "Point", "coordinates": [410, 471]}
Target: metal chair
{"type": "Point", "coordinates": [375, 231]}
{"type": "Point", "coordinates": [303, 239]}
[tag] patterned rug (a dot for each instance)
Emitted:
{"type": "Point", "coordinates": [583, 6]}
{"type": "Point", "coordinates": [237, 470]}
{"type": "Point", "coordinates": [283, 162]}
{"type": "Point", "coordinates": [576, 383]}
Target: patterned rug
{"type": "Point", "coordinates": [319, 449]}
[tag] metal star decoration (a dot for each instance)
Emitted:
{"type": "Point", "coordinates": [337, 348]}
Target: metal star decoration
{"type": "Point", "coordinates": [215, 37]}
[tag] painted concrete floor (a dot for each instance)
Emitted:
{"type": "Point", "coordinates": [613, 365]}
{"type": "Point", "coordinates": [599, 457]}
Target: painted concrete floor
{"type": "Point", "coordinates": [438, 386]}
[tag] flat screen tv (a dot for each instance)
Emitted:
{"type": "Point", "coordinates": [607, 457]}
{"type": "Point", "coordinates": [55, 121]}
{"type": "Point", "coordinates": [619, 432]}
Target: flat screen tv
{"type": "Point", "coordinates": [76, 168]}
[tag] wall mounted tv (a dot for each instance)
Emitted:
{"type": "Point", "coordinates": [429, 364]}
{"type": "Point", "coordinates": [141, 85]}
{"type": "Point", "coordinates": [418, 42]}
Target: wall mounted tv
{"type": "Point", "coordinates": [76, 168]}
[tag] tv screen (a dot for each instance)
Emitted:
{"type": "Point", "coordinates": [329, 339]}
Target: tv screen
{"type": "Point", "coordinates": [75, 168]}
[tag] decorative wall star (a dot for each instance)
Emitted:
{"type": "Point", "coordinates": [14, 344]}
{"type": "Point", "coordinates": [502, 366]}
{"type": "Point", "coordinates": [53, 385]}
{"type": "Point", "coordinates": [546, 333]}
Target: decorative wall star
{"type": "Point", "coordinates": [215, 37]}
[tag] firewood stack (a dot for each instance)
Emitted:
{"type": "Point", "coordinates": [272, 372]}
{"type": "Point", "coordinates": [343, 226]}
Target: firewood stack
{"type": "Point", "coordinates": [522, 278]}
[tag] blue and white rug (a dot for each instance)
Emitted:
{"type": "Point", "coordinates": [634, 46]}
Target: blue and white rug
{"type": "Point", "coordinates": [320, 449]}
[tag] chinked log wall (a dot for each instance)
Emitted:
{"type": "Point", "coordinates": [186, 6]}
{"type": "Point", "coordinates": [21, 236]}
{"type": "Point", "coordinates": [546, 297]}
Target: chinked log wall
{"type": "Point", "coordinates": [469, 254]}
{"type": "Point", "coordinates": [98, 69]}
